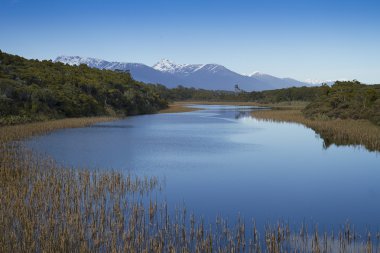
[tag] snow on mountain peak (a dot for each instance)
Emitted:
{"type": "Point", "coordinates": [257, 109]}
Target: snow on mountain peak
{"type": "Point", "coordinates": [71, 60]}
{"type": "Point", "coordinates": [77, 60]}
{"type": "Point", "coordinates": [257, 73]}
{"type": "Point", "coordinates": [96, 63]}
{"type": "Point", "coordinates": [212, 76]}
{"type": "Point", "coordinates": [166, 65]}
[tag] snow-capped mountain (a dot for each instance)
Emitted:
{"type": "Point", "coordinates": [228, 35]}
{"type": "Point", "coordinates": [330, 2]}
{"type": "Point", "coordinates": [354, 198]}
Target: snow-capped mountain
{"type": "Point", "coordinates": [205, 76]}
{"type": "Point", "coordinates": [140, 72]}
{"type": "Point", "coordinates": [167, 66]}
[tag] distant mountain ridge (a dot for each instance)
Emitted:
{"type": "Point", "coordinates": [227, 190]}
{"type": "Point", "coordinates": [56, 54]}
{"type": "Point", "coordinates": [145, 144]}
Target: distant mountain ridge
{"type": "Point", "coordinates": [205, 76]}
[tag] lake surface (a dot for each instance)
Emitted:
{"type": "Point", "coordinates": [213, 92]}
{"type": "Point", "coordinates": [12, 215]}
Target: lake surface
{"type": "Point", "coordinates": [221, 161]}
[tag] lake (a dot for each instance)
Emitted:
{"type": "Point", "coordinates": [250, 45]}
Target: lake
{"type": "Point", "coordinates": [221, 161]}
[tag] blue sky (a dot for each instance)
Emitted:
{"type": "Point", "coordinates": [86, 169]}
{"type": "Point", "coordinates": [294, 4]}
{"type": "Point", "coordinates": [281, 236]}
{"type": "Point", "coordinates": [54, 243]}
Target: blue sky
{"type": "Point", "coordinates": [301, 39]}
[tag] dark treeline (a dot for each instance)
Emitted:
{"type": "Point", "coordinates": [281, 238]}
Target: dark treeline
{"type": "Point", "coordinates": [33, 90]}
{"type": "Point", "coordinates": [268, 96]}
{"type": "Point", "coordinates": [344, 99]}
{"type": "Point", "coordinates": [347, 100]}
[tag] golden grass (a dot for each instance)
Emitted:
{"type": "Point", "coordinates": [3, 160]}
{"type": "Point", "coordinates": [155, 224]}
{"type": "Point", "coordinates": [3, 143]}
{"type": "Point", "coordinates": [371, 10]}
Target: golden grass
{"type": "Point", "coordinates": [339, 132]}
{"type": "Point", "coordinates": [178, 107]}
{"type": "Point", "coordinates": [22, 131]}
{"type": "Point", "coordinates": [52, 209]}
{"type": "Point", "coordinates": [220, 103]}
{"type": "Point", "coordinates": [291, 105]}
{"type": "Point", "coordinates": [47, 208]}
{"type": "Point", "coordinates": [281, 105]}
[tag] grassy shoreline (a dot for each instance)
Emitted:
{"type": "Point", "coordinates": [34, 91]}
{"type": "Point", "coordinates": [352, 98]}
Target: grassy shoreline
{"type": "Point", "coordinates": [181, 106]}
{"type": "Point", "coordinates": [49, 208]}
{"type": "Point", "coordinates": [339, 132]}
{"type": "Point", "coordinates": [281, 105]}
{"type": "Point", "coordinates": [178, 107]}
{"type": "Point", "coordinates": [218, 103]}
{"type": "Point", "coordinates": [22, 131]}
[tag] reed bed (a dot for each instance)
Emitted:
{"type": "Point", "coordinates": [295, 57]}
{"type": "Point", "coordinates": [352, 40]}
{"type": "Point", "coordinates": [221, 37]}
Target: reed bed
{"type": "Point", "coordinates": [337, 131]}
{"type": "Point", "coordinates": [22, 131]}
{"type": "Point", "coordinates": [237, 103]}
{"type": "Point", "coordinates": [178, 107]}
{"type": "Point", "coordinates": [290, 105]}
{"type": "Point", "coordinates": [48, 208]}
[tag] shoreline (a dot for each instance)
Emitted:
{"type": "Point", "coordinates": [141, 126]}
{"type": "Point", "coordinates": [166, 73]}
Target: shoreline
{"type": "Point", "coordinates": [281, 105]}
{"type": "Point", "coordinates": [178, 107]}
{"type": "Point", "coordinates": [43, 197]}
{"type": "Point", "coordinates": [345, 132]}
{"type": "Point", "coordinates": [181, 106]}
{"type": "Point", "coordinates": [22, 131]}
{"type": "Point", "coordinates": [341, 132]}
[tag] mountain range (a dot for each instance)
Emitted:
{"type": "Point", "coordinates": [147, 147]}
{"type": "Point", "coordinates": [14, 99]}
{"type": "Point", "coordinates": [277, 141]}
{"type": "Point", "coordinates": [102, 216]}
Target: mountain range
{"type": "Point", "coordinates": [205, 76]}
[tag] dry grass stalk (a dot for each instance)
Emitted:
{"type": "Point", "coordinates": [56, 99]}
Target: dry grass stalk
{"type": "Point", "coordinates": [48, 208]}
{"type": "Point", "coordinates": [178, 107]}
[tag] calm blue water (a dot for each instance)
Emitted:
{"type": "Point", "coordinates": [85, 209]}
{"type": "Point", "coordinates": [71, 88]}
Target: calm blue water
{"type": "Point", "coordinates": [221, 161]}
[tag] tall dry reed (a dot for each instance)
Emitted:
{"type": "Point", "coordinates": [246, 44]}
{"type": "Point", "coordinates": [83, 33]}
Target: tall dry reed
{"type": "Point", "coordinates": [48, 208]}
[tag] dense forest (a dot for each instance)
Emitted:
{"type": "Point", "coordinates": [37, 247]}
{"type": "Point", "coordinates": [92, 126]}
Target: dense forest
{"type": "Point", "coordinates": [306, 94]}
{"type": "Point", "coordinates": [33, 90]}
{"type": "Point", "coordinates": [345, 100]}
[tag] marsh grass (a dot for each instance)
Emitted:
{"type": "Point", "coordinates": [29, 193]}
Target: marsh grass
{"type": "Point", "coordinates": [48, 208]}
{"type": "Point", "coordinates": [338, 131]}
{"type": "Point", "coordinates": [178, 107]}
{"type": "Point", "coordinates": [237, 103]}
{"type": "Point", "coordinates": [22, 131]}
{"type": "Point", "coordinates": [279, 105]}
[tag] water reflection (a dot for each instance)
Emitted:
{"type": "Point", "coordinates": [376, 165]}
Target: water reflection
{"type": "Point", "coordinates": [110, 126]}
{"type": "Point", "coordinates": [222, 161]}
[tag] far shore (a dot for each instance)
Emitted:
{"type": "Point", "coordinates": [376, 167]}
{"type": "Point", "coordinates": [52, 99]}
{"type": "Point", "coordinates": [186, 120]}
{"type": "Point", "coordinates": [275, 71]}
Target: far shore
{"type": "Point", "coordinates": [181, 106]}
{"type": "Point", "coordinates": [333, 131]}
{"type": "Point", "coordinates": [337, 131]}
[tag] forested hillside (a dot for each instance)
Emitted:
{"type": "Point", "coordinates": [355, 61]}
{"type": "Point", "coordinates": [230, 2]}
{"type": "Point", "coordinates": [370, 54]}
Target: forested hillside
{"type": "Point", "coordinates": [34, 90]}
{"type": "Point", "coordinates": [347, 100]}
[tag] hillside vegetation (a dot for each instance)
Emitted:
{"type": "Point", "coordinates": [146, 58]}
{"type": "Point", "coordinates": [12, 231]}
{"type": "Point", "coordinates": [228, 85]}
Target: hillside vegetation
{"type": "Point", "coordinates": [33, 90]}
{"type": "Point", "coordinates": [332, 131]}
{"type": "Point", "coordinates": [343, 100]}
{"type": "Point", "coordinates": [268, 96]}
{"type": "Point", "coordinates": [347, 100]}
